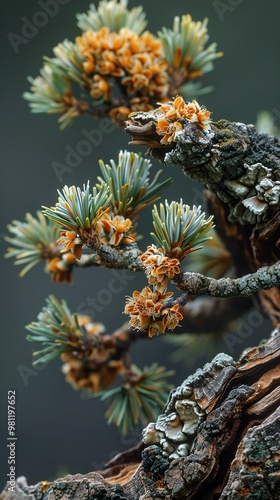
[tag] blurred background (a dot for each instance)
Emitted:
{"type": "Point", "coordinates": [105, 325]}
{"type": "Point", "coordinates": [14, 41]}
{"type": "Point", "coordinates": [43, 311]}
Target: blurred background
{"type": "Point", "coordinates": [58, 431]}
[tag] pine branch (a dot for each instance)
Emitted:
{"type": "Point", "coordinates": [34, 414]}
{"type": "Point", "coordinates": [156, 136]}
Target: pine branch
{"type": "Point", "coordinates": [196, 284]}
{"type": "Point", "coordinates": [240, 168]}
{"type": "Point", "coordinates": [233, 160]}
{"type": "Point", "coordinates": [127, 257]}
{"type": "Point", "coordinates": [115, 67]}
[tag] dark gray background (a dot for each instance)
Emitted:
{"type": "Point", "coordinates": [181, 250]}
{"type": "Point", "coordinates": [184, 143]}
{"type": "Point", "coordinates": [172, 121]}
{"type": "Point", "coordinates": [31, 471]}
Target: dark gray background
{"type": "Point", "coordinates": [55, 428]}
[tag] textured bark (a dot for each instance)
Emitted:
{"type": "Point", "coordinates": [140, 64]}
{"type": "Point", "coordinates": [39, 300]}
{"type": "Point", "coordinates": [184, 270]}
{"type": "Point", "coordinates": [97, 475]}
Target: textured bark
{"type": "Point", "coordinates": [240, 168]}
{"type": "Point", "coordinates": [231, 451]}
{"type": "Point", "coordinates": [196, 284]}
{"type": "Point", "coordinates": [219, 434]}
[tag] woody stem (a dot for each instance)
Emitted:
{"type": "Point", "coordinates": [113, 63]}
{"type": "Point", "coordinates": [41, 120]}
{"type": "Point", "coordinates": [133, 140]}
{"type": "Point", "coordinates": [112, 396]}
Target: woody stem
{"type": "Point", "coordinates": [196, 284]}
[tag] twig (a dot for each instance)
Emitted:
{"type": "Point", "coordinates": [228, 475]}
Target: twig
{"type": "Point", "coordinates": [196, 284]}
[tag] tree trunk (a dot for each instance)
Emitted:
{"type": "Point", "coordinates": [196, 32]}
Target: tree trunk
{"type": "Point", "coordinates": [218, 438]}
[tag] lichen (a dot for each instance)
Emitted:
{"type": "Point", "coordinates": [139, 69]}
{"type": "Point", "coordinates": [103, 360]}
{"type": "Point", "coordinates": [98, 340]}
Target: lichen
{"type": "Point", "coordinates": [175, 429]}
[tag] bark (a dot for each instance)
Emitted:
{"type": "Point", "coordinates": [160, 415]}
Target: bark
{"type": "Point", "coordinates": [196, 284]}
{"type": "Point", "coordinates": [218, 438]}
{"type": "Point", "coordinates": [240, 168]}
{"type": "Point", "coordinates": [219, 434]}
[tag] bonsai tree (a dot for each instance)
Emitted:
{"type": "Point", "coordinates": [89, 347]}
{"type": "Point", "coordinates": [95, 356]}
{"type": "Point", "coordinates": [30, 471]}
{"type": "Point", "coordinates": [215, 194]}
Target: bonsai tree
{"type": "Point", "coordinates": [214, 435]}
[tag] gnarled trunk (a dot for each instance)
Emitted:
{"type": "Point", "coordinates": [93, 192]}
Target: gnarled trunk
{"type": "Point", "coordinates": [228, 447]}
